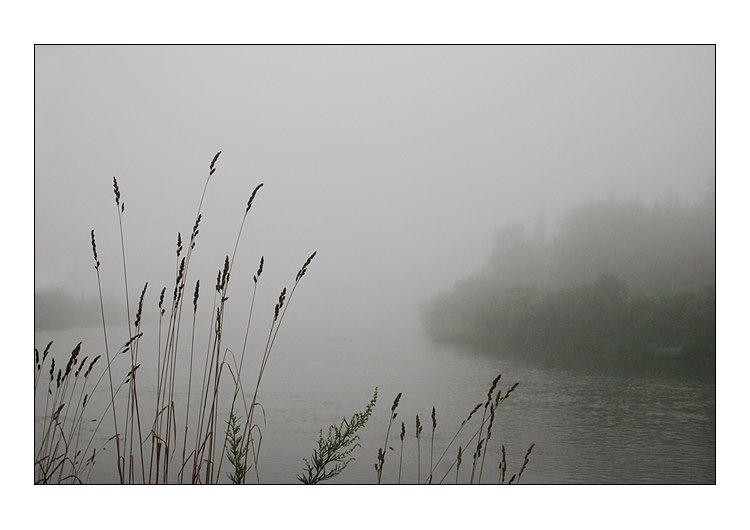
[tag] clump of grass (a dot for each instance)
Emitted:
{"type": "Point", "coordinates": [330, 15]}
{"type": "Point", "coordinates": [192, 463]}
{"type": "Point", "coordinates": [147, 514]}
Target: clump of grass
{"type": "Point", "coordinates": [336, 448]}
{"type": "Point", "coordinates": [235, 451]}
{"type": "Point", "coordinates": [463, 423]}
{"type": "Point", "coordinates": [58, 458]}
{"type": "Point", "coordinates": [151, 455]}
{"type": "Point", "coordinates": [481, 435]}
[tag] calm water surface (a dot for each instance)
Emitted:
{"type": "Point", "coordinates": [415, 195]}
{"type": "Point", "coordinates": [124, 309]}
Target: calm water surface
{"type": "Point", "coordinates": [588, 426]}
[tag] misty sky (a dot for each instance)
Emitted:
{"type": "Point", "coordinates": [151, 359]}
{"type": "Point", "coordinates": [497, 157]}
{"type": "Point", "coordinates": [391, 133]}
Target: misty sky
{"type": "Point", "coordinates": [395, 163]}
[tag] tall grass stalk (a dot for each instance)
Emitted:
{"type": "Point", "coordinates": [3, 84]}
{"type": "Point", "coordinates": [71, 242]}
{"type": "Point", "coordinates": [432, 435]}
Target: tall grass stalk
{"type": "Point", "coordinates": [382, 450]}
{"type": "Point", "coordinates": [401, 452]}
{"type": "Point", "coordinates": [480, 440]}
{"type": "Point", "coordinates": [479, 435]}
{"type": "Point", "coordinates": [418, 433]}
{"type": "Point", "coordinates": [458, 462]}
{"type": "Point", "coordinates": [432, 443]}
{"type": "Point", "coordinates": [196, 294]}
{"type": "Point", "coordinates": [109, 360]}
{"type": "Point", "coordinates": [525, 462]}
{"type": "Point", "coordinates": [279, 313]}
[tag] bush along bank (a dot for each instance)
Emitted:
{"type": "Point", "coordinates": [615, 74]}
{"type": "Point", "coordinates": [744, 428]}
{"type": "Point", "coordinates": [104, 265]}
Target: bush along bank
{"type": "Point", "coordinates": [600, 321]}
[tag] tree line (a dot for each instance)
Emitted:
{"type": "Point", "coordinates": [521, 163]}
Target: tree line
{"type": "Point", "coordinates": [618, 280]}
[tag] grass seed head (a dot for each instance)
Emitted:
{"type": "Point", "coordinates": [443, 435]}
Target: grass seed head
{"type": "Point", "coordinates": [492, 419]}
{"type": "Point", "coordinates": [216, 157]}
{"type": "Point", "coordinates": [117, 191]}
{"type": "Point", "coordinates": [195, 295]}
{"type": "Point", "coordinates": [252, 197]}
{"type": "Point", "coordinates": [46, 351]}
{"type": "Point", "coordinates": [72, 361]}
{"type": "Point", "coordinates": [260, 270]}
{"type": "Point", "coordinates": [195, 231]}
{"type": "Point", "coordinates": [492, 388]}
{"type": "Point", "coordinates": [80, 367]}
{"type": "Point", "coordinates": [280, 304]}
{"type": "Point", "coordinates": [303, 270]}
{"type": "Point", "coordinates": [140, 307]}
{"type": "Point", "coordinates": [511, 389]}
{"type": "Point", "coordinates": [91, 366]}
{"type": "Point", "coordinates": [471, 413]}
{"type": "Point", "coordinates": [395, 402]}
{"type": "Point", "coordinates": [93, 246]}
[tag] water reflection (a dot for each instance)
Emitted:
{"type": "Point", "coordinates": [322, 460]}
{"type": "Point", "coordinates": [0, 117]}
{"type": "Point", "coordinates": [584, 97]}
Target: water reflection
{"type": "Point", "coordinates": [590, 426]}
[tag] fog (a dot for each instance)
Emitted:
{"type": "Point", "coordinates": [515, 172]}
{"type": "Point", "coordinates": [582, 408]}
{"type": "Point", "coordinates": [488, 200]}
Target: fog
{"type": "Point", "coordinates": [396, 164]}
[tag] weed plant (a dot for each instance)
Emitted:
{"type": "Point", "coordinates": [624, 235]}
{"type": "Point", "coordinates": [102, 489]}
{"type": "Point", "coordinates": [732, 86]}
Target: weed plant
{"type": "Point", "coordinates": [335, 450]}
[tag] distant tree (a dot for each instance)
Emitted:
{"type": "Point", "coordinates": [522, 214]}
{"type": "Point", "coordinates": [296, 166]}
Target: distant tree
{"type": "Point", "coordinates": [516, 259]}
{"type": "Point", "coordinates": [671, 200]}
{"type": "Point", "coordinates": [601, 237]}
{"type": "Point", "coordinates": [58, 309]}
{"type": "Point", "coordinates": [666, 247]}
{"type": "Point", "coordinates": [616, 278]}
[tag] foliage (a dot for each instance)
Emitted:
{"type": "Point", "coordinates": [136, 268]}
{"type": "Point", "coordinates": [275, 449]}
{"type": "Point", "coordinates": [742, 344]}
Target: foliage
{"type": "Point", "coordinates": [594, 320]}
{"type": "Point", "coordinates": [667, 246]}
{"type": "Point", "coordinates": [336, 448]}
{"type": "Point", "coordinates": [236, 451]}
{"type": "Point", "coordinates": [618, 280]}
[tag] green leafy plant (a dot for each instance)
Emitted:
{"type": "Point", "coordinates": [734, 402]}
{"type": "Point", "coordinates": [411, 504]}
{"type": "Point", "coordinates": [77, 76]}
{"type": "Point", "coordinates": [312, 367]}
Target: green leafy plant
{"type": "Point", "coordinates": [236, 451]}
{"type": "Point", "coordinates": [336, 448]}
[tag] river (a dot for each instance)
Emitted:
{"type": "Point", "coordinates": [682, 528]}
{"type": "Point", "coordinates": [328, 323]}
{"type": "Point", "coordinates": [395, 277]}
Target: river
{"type": "Point", "coordinates": [589, 426]}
